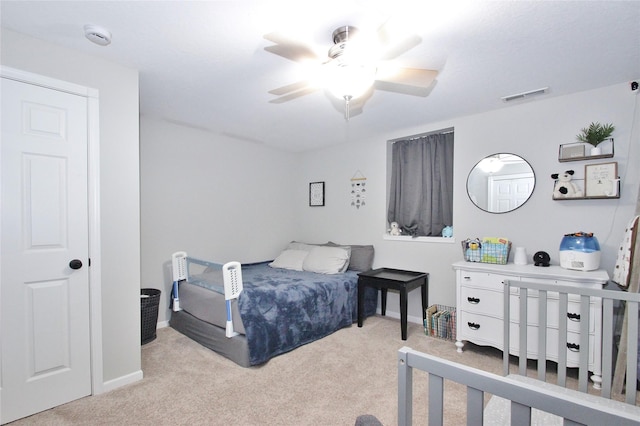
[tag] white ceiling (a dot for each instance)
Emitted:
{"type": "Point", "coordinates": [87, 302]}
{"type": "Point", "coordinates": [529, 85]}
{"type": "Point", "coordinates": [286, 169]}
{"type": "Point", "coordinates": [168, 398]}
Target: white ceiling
{"type": "Point", "coordinates": [203, 63]}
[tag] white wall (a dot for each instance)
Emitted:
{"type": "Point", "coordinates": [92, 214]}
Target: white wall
{"type": "Point", "coordinates": [534, 130]}
{"type": "Point", "coordinates": [217, 198]}
{"type": "Point", "coordinates": [119, 188]}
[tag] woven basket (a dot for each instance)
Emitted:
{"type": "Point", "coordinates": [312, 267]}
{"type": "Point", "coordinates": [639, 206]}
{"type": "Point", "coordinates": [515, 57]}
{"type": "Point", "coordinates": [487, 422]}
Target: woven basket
{"type": "Point", "coordinates": [488, 253]}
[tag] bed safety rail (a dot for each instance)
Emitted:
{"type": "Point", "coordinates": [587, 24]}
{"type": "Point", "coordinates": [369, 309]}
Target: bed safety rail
{"type": "Point", "coordinates": [576, 408]}
{"type": "Point", "coordinates": [586, 296]}
{"type": "Point", "coordinates": [232, 273]}
{"type": "Point", "coordinates": [179, 266]}
{"type": "Point", "coordinates": [232, 278]}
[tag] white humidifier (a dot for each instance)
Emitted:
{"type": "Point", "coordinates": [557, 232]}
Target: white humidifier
{"type": "Point", "coordinates": [580, 251]}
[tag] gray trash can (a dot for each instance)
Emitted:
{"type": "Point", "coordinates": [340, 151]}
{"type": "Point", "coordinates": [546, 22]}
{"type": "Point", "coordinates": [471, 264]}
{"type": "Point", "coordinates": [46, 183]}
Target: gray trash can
{"type": "Point", "coordinates": [149, 303]}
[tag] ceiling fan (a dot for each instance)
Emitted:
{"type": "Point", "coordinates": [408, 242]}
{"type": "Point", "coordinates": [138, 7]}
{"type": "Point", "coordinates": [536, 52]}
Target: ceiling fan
{"type": "Point", "coordinates": [354, 65]}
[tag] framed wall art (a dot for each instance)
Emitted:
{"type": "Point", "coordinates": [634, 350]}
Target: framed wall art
{"type": "Point", "coordinates": [316, 194]}
{"type": "Point", "coordinates": [601, 180]}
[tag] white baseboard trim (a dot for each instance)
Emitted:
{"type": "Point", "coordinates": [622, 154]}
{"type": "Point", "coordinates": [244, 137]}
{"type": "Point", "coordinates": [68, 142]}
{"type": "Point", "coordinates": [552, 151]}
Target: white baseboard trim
{"type": "Point", "coordinates": [396, 315]}
{"type": "Point", "coordinates": [162, 324]}
{"type": "Point", "coordinates": [122, 381]}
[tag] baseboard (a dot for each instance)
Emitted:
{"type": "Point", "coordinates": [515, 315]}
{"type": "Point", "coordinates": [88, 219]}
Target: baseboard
{"type": "Point", "coordinates": [122, 381]}
{"type": "Point", "coordinates": [162, 324]}
{"type": "Point", "coordinates": [396, 315]}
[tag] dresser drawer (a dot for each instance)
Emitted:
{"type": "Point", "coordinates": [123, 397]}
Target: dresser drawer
{"type": "Point", "coordinates": [479, 329]}
{"type": "Point", "coordinates": [484, 280]}
{"type": "Point", "coordinates": [573, 345]}
{"type": "Point", "coordinates": [481, 301]}
{"type": "Point", "coordinates": [572, 316]}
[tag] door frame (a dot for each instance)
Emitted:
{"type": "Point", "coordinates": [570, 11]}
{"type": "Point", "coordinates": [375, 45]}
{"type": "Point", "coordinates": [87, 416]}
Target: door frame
{"type": "Point", "coordinates": [93, 189]}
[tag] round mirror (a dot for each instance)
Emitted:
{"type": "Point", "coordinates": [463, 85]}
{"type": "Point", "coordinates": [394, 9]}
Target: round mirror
{"type": "Point", "coordinates": [500, 183]}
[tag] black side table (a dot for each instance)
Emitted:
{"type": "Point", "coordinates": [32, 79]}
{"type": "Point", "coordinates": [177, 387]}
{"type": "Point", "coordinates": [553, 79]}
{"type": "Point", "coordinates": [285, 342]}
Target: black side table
{"type": "Point", "coordinates": [394, 279]}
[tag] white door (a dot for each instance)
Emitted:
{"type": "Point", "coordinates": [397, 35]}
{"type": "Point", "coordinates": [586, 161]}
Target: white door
{"type": "Point", "coordinates": [44, 301]}
{"type": "Point", "coordinates": [508, 192]}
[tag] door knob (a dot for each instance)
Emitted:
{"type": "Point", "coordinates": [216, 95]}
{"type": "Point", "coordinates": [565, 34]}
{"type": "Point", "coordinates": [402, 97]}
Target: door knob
{"type": "Point", "coordinates": [75, 264]}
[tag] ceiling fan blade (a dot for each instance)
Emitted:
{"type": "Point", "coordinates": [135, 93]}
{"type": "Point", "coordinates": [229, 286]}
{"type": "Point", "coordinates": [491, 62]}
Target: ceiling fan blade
{"type": "Point", "coordinates": [396, 44]}
{"type": "Point", "coordinates": [402, 89]}
{"type": "Point", "coordinates": [397, 49]}
{"type": "Point", "coordinates": [288, 48]}
{"type": "Point", "coordinates": [290, 88]}
{"type": "Point", "coordinates": [294, 95]}
{"type": "Point", "coordinates": [416, 77]}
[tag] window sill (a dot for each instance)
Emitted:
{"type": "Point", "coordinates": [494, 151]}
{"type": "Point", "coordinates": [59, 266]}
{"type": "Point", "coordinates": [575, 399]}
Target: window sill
{"type": "Point", "coordinates": [406, 238]}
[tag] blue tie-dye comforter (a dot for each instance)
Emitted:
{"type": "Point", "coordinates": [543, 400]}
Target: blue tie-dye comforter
{"type": "Point", "coordinates": [282, 309]}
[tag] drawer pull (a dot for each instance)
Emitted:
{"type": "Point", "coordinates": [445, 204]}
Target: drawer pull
{"type": "Point", "coordinates": [473, 325]}
{"type": "Point", "coordinates": [473, 300]}
{"type": "Point", "coordinates": [573, 317]}
{"type": "Point", "coordinates": [573, 347]}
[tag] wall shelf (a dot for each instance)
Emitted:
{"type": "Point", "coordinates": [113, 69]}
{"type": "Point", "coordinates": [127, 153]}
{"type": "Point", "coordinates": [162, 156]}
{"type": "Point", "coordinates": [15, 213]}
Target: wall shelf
{"type": "Point", "coordinates": [580, 184]}
{"type": "Point", "coordinates": [585, 198]}
{"type": "Point", "coordinates": [578, 151]}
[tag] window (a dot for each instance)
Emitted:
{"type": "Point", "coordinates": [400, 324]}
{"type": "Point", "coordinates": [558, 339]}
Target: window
{"type": "Point", "coordinates": [421, 184]}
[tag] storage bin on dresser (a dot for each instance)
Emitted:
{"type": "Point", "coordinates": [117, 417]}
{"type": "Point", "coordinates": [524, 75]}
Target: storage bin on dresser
{"type": "Point", "coordinates": [480, 307]}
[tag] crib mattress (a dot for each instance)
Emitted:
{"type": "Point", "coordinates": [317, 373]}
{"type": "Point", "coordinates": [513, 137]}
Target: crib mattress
{"type": "Point", "coordinates": [209, 306]}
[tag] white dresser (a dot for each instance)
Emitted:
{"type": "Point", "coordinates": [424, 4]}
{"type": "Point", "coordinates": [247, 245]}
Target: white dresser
{"type": "Point", "coordinates": [480, 307]}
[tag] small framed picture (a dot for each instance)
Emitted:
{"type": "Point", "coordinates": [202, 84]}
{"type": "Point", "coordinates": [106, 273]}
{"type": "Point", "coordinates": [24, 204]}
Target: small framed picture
{"type": "Point", "coordinates": [316, 194]}
{"type": "Point", "coordinates": [601, 180]}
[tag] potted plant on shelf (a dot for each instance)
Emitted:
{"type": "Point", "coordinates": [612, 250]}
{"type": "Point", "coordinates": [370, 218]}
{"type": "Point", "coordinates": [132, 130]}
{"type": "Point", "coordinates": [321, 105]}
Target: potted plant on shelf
{"type": "Point", "coordinates": [595, 134]}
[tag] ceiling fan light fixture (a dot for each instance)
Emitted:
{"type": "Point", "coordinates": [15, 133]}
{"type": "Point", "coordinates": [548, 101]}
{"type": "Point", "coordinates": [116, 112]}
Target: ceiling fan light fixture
{"type": "Point", "coordinates": [350, 81]}
{"type": "Point", "coordinates": [491, 164]}
{"type": "Point", "coordinates": [352, 66]}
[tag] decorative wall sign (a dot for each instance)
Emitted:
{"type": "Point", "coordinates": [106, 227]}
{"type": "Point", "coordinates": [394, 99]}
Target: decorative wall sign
{"type": "Point", "coordinates": [316, 194]}
{"type": "Point", "coordinates": [601, 180]}
{"type": "Point", "coordinates": [358, 189]}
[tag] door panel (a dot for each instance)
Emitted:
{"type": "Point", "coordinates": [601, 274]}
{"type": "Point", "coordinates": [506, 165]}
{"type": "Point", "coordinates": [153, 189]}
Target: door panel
{"type": "Point", "coordinates": [44, 203]}
{"type": "Point", "coordinates": [46, 308]}
{"type": "Point", "coordinates": [44, 303]}
{"type": "Point", "coordinates": [509, 192]}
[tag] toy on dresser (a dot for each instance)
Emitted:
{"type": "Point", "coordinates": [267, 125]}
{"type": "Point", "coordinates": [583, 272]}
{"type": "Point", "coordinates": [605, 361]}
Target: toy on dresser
{"type": "Point", "coordinates": [472, 250]}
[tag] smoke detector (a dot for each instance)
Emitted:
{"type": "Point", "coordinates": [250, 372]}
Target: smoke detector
{"type": "Point", "coordinates": [97, 35]}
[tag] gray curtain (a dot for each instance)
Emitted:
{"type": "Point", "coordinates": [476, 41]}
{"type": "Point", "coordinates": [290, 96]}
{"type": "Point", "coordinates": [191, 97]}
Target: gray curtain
{"type": "Point", "coordinates": [421, 192]}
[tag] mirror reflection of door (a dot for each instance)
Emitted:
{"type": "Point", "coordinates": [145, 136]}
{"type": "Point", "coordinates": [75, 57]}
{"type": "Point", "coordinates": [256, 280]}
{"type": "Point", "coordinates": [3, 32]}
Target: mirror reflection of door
{"type": "Point", "coordinates": [508, 192]}
{"type": "Point", "coordinates": [500, 183]}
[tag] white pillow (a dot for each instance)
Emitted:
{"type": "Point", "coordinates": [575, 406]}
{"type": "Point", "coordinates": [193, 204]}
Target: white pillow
{"type": "Point", "coordinates": [327, 260]}
{"type": "Point", "coordinates": [290, 259]}
{"type": "Point", "coordinates": [294, 245]}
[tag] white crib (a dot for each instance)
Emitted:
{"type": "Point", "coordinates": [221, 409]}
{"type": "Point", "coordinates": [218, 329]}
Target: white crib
{"type": "Point", "coordinates": [523, 393]}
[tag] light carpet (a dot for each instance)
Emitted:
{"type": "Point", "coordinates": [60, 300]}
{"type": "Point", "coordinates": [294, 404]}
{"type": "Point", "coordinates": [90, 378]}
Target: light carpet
{"type": "Point", "coordinates": [328, 382]}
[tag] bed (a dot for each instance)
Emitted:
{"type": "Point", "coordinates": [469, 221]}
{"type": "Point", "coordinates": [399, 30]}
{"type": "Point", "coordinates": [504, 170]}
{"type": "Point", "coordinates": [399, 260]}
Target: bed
{"type": "Point", "coordinates": [250, 313]}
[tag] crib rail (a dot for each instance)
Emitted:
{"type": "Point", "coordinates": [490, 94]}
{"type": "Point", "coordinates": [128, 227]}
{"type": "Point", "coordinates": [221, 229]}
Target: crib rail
{"type": "Point", "coordinates": [606, 298]}
{"type": "Point", "coordinates": [574, 407]}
